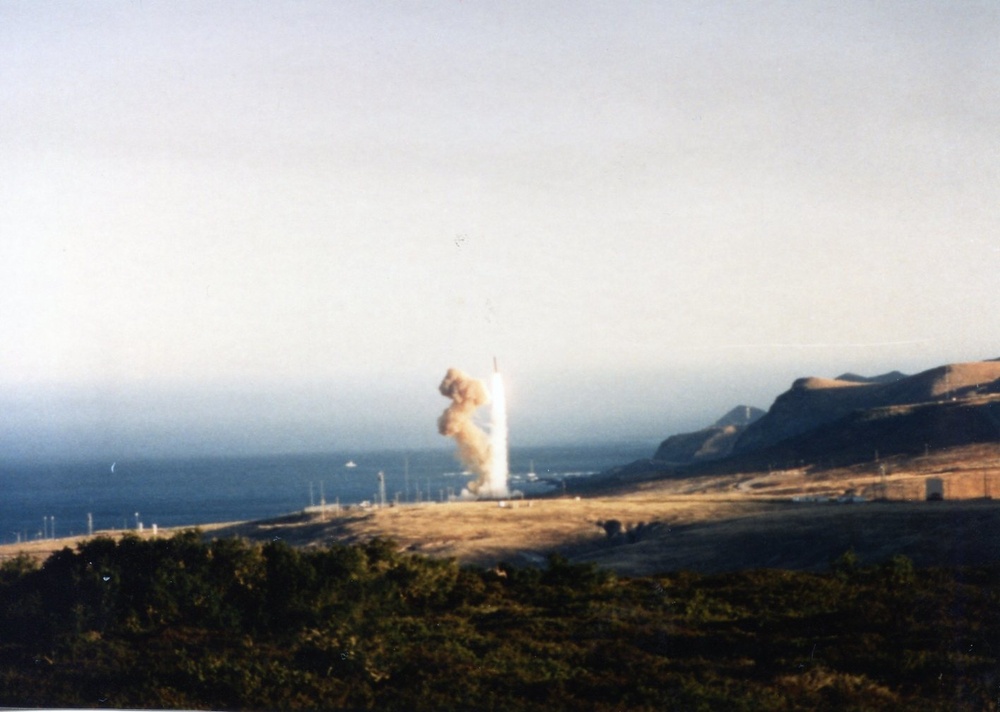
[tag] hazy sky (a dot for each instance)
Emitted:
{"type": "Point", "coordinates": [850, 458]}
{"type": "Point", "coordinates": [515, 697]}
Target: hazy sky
{"type": "Point", "coordinates": [274, 225]}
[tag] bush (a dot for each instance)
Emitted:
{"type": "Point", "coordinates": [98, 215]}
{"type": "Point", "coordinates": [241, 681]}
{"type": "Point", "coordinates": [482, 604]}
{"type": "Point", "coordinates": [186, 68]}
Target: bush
{"type": "Point", "coordinates": [229, 624]}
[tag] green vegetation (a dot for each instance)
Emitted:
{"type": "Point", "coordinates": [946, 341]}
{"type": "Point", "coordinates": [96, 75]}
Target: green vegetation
{"type": "Point", "coordinates": [228, 624]}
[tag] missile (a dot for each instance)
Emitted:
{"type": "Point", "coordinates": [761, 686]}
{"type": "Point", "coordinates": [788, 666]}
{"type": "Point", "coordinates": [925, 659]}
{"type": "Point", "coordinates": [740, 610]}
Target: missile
{"type": "Point", "coordinates": [495, 368]}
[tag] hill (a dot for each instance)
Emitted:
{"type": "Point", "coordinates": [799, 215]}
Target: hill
{"type": "Point", "coordinates": [867, 435]}
{"type": "Point", "coordinates": [815, 402]}
{"type": "Point", "coordinates": [710, 443]}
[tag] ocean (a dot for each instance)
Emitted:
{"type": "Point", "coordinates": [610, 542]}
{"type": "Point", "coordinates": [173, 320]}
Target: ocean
{"type": "Point", "coordinates": [63, 499]}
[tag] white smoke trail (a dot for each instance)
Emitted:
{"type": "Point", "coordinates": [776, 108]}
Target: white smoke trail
{"type": "Point", "coordinates": [496, 485]}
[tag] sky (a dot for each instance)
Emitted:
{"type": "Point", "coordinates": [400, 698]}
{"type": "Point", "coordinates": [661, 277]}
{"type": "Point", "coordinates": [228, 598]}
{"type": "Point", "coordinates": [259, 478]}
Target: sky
{"type": "Point", "coordinates": [233, 227]}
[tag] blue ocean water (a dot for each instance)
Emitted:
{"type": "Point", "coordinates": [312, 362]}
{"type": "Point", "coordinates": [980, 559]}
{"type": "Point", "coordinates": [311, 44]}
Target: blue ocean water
{"type": "Point", "coordinates": [38, 499]}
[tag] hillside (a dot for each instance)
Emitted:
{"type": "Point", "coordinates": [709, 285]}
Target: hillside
{"type": "Point", "coordinates": [178, 623]}
{"type": "Point", "coordinates": [814, 402]}
{"type": "Point", "coordinates": [829, 423]}
{"type": "Point", "coordinates": [710, 443]}
{"type": "Point", "coordinates": [865, 435]}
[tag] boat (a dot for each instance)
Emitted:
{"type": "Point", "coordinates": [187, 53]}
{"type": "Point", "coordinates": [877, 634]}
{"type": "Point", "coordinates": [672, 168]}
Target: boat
{"type": "Point", "coordinates": [531, 476]}
{"type": "Point", "coordinates": [350, 463]}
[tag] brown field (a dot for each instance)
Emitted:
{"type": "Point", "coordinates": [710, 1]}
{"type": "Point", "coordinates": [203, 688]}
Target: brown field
{"type": "Point", "coordinates": [707, 524]}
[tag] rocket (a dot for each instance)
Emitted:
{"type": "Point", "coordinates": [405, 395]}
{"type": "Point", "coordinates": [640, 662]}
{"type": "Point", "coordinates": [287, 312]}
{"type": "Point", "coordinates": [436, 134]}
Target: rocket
{"type": "Point", "coordinates": [495, 368]}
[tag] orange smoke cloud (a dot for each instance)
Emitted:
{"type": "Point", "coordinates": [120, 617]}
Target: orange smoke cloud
{"type": "Point", "coordinates": [466, 394]}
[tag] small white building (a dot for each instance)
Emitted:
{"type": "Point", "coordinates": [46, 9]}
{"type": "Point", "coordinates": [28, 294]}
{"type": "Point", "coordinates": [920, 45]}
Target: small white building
{"type": "Point", "coordinates": [935, 489]}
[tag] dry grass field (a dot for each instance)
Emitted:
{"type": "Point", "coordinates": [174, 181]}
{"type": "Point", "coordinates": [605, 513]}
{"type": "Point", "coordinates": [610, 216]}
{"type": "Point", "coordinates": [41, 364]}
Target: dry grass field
{"type": "Point", "coordinates": [707, 524]}
{"type": "Point", "coordinates": [522, 531]}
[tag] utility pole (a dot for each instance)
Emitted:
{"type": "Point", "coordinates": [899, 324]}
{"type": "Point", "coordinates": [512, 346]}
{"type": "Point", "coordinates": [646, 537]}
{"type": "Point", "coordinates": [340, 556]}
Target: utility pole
{"type": "Point", "coordinates": [406, 478]}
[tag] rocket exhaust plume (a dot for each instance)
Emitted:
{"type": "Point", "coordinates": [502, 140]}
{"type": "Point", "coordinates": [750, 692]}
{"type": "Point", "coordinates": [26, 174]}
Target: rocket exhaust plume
{"type": "Point", "coordinates": [466, 394]}
{"type": "Point", "coordinates": [497, 483]}
{"type": "Point", "coordinates": [485, 456]}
